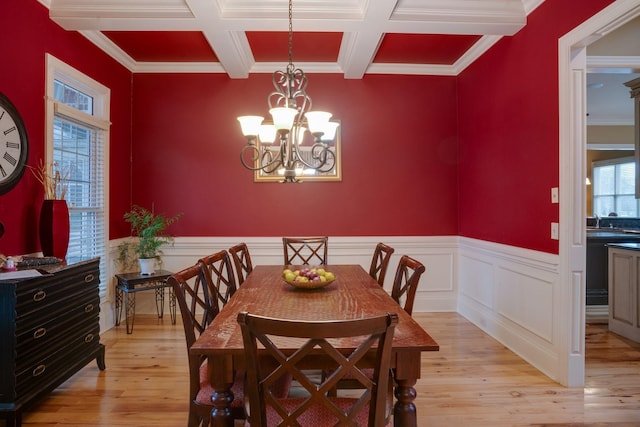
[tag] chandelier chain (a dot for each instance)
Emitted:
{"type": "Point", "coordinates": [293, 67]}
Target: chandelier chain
{"type": "Point", "coordinates": [291, 34]}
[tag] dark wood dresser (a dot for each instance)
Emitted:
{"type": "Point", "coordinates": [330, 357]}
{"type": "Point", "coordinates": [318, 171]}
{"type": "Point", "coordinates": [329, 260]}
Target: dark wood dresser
{"type": "Point", "coordinates": [49, 330]}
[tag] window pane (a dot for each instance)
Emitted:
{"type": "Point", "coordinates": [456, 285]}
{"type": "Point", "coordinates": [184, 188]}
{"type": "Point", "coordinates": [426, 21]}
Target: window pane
{"type": "Point", "coordinates": [604, 180]}
{"type": "Point", "coordinates": [626, 206]}
{"type": "Point", "coordinates": [72, 97]}
{"type": "Point", "coordinates": [602, 205]}
{"type": "Point", "coordinates": [625, 178]}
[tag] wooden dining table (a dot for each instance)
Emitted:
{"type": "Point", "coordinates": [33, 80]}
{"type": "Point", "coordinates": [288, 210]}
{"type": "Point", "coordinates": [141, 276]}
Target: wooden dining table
{"type": "Point", "coordinates": [352, 295]}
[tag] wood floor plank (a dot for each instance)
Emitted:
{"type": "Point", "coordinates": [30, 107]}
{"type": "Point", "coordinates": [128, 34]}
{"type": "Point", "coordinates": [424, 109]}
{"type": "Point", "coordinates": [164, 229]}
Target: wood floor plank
{"type": "Point", "coordinates": [473, 381]}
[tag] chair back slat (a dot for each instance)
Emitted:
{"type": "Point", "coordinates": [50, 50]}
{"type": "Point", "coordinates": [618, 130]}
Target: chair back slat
{"type": "Point", "coordinates": [317, 339]}
{"type": "Point", "coordinates": [380, 262]}
{"type": "Point", "coordinates": [405, 283]}
{"type": "Point", "coordinates": [194, 300]}
{"type": "Point", "coordinates": [241, 260]}
{"type": "Point", "coordinates": [305, 251]}
{"type": "Point", "coordinates": [221, 278]}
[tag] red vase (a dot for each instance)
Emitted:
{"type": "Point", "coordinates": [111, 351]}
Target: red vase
{"type": "Point", "coordinates": [54, 228]}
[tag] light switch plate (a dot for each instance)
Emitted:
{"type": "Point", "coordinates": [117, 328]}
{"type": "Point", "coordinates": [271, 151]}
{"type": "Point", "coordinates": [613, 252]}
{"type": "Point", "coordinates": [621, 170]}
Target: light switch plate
{"type": "Point", "coordinates": [554, 231]}
{"type": "Point", "coordinates": [554, 195]}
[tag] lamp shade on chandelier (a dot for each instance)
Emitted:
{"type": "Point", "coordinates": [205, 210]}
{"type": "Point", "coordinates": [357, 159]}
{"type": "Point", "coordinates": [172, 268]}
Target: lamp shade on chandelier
{"type": "Point", "coordinates": [280, 146]}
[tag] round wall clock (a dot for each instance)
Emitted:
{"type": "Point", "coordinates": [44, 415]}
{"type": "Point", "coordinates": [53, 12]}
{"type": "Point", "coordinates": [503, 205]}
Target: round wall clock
{"type": "Point", "coordinates": [14, 145]}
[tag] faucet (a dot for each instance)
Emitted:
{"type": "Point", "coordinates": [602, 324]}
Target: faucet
{"type": "Point", "coordinates": [597, 221]}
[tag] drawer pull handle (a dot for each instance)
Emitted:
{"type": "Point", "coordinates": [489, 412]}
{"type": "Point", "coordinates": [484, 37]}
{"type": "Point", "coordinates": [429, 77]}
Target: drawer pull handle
{"type": "Point", "coordinates": [39, 370]}
{"type": "Point", "coordinates": [88, 308]}
{"type": "Point", "coordinates": [88, 278]}
{"type": "Point", "coordinates": [39, 333]}
{"type": "Point", "coordinates": [39, 296]}
{"type": "Point", "coordinates": [88, 338]}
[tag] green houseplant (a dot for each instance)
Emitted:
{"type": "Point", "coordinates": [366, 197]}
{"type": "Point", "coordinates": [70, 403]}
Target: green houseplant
{"type": "Point", "coordinates": [150, 230]}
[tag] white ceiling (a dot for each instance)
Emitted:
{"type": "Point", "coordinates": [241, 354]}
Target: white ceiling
{"type": "Point", "coordinates": [612, 61]}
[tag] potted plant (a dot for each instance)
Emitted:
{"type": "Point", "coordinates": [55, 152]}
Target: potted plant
{"type": "Point", "coordinates": [149, 228]}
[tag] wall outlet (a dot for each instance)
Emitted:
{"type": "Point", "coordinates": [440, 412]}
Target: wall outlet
{"type": "Point", "coordinates": [554, 231]}
{"type": "Point", "coordinates": [554, 195]}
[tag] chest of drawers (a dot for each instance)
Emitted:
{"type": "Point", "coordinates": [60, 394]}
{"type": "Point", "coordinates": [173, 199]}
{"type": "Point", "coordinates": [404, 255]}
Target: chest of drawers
{"type": "Point", "coordinates": [49, 330]}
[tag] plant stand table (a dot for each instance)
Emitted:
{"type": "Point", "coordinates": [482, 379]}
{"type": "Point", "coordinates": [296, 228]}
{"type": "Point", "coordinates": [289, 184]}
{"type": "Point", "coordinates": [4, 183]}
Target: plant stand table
{"type": "Point", "coordinates": [130, 283]}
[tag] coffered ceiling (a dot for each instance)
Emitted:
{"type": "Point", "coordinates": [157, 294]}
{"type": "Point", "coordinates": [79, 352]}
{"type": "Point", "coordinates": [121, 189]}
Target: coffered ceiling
{"type": "Point", "coordinates": [240, 37]}
{"type": "Point", "coordinates": [349, 37]}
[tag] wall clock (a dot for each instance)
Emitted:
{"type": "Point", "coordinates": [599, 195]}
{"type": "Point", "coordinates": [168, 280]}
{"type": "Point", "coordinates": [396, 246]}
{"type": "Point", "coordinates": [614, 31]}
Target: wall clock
{"type": "Point", "coordinates": [14, 145]}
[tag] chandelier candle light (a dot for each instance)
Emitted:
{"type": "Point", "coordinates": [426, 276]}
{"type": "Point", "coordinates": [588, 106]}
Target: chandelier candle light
{"type": "Point", "coordinates": [290, 109]}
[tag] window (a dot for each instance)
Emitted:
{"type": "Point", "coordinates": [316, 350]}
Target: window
{"type": "Point", "coordinates": [77, 142]}
{"type": "Point", "coordinates": [614, 187]}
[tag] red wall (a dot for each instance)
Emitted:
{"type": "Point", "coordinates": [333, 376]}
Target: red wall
{"type": "Point", "coordinates": [27, 34]}
{"type": "Point", "coordinates": [508, 131]}
{"type": "Point", "coordinates": [422, 155]}
{"type": "Point", "coordinates": [399, 170]}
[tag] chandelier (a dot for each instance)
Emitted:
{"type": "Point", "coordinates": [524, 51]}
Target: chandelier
{"type": "Point", "coordinates": [280, 147]}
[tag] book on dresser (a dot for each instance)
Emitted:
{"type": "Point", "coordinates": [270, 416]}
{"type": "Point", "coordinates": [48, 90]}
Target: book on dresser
{"type": "Point", "coordinates": [49, 330]}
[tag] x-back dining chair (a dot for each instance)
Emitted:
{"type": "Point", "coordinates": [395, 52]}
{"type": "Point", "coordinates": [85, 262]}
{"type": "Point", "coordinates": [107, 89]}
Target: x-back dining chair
{"type": "Point", "coordinates": [404, 288]}
{"type": "Point", "coordinates": [316, 408]}
{"type": "Point", "coordinates": [198, 310]}
{"type": "Point", "coordinates": [405, 283]}
{"type": "Point", "coordinates": [218, 267]}
{"type": "Point", "coordinates": [241, 260]}
{"type": "Point", "coordinates": [380, 262]}
{"type": "Point", "coordinates": [305, 251]}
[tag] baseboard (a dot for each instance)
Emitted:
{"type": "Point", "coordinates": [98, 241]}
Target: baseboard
{"type": "Point", "coordinates": [597, 314]}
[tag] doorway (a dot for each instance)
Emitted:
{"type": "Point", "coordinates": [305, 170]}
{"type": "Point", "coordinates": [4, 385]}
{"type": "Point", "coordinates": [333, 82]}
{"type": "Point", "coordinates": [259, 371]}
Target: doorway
{"type": "Point", "coordinates": [572, 98]}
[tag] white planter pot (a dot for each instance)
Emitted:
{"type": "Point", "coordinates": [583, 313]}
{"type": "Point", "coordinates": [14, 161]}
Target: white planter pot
{"type": "Point", "coordinates": [147, 265]}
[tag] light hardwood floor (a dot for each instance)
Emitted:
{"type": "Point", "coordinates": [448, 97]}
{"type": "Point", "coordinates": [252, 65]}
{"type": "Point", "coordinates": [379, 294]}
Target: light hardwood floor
{"type": "Point", "coordinates": [472, 381]}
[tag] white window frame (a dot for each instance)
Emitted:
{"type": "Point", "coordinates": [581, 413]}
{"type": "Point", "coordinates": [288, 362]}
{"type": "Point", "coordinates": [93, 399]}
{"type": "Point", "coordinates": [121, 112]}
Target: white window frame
{"type": "Point", "coordinates": [611, 162]}
{"type": "Point", "coordinates": [58, 70]}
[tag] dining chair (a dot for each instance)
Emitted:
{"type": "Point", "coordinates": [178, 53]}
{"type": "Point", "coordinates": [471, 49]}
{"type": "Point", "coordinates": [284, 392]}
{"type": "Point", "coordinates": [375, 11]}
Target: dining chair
{"type": "Point", "coordinates": [404, 288]}
{"type": "Point", "coordinates": [305, 251]}
{"type": "Point", "coordinates": [315, 407]}
{"type": "Point", "coordinates": [221, 278]}
{"type": "Point", "coordinates": [406, 281]}
{"type": "Point", "coordinates": [241, 260]}
{"type": "Point", "coordinates": [380, 262]}
{"type": "Point", "coordinates": [195, 301]}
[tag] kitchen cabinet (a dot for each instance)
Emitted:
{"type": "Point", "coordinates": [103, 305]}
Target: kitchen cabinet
{"type": "Point", "coordinates": [49, 329]}
{"type": "Point", "coordinates": [624, 292]}
{"type": "Point", "coordinates": [597, 262]}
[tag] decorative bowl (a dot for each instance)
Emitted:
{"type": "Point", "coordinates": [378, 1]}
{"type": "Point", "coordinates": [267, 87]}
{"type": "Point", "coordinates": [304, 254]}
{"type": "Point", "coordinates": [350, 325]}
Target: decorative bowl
{"type": "Point", "coordinates": [309, 284]}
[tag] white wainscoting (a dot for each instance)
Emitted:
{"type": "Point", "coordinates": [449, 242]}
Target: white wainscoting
{"type": "Point", "coordinates": [511, 294]}
{"type": "Point", "coordinates": [437, 291]}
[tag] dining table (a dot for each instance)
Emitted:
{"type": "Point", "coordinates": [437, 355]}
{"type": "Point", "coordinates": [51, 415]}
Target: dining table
{"type": "Point", "coordinates": [353, 294]}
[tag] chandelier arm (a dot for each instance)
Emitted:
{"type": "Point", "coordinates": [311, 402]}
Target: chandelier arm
{"type": "Point", "coordinates": [319, 151]}
{"type": "Point", "coordinates": [329, 161]}
{"type": "Point", "coordinates": [255, 155]}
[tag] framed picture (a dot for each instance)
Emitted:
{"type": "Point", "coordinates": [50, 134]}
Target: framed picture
{"type": "Point", "coordinates": [331, 171]}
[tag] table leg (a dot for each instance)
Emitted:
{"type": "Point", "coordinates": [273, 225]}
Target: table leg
{"type": "Point", "coordinates": [160, 302]}
{"type": "Point", "coordinates": [222, 397]}
{"type": "Point", "coordinates": [406, 374]}
{"type": "Point", "coordinates": [130, 309]}
{"type": "Point", "coordinates": [118, 305]}
{"type": "Point", "coordinates": [404, 411]}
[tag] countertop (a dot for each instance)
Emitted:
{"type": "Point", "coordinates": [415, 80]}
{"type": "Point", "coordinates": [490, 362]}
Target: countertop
{"type": "Point", "coordinates": [616, 234]}
{"type": "Point", "coordinates": [629, 246]}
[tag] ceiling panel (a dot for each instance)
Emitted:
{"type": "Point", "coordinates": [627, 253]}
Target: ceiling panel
{"type": "Point", "coordinates": [423, 48]}
{"type": "Point", "coordinates": [163, 46]}
{"type": "Point", "coordinates": [307, 46]}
